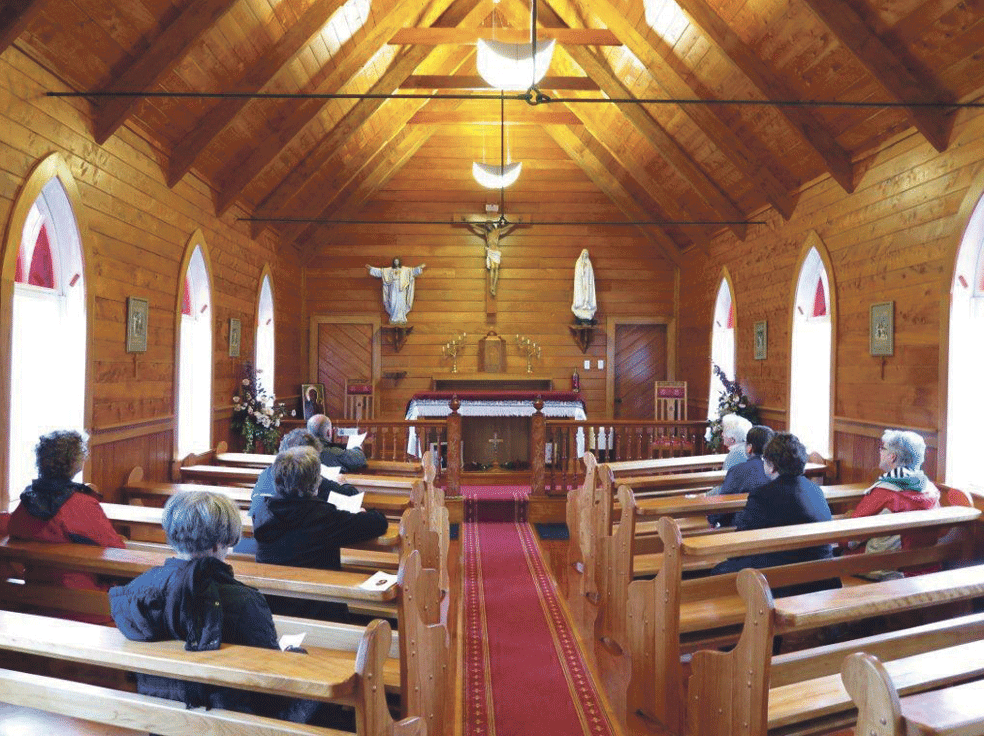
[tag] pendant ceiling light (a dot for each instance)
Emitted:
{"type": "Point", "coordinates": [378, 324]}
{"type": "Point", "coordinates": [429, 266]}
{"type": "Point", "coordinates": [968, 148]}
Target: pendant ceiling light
{"type": "Point", "coordinates": [513, 66]}
{"type": "Point", "coordinates": [496, 177]}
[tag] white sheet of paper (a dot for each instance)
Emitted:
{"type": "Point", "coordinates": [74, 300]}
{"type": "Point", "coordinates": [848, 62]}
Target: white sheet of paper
{"type": "Point", "coordinates": [379, 581]}
{"type": "Point", "coordinates": [346, 503]}
{"type": "Point", "coordinates": [291, 640]}
{"type": "Point", "coordinates": [330, 473]}
{"type": "Point", "coordinates": [355, 441]}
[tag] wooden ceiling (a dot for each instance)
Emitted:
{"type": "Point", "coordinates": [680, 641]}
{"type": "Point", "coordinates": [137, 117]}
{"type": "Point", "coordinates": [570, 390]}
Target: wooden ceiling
{"type": "Point", "coordinates": [327, 158]}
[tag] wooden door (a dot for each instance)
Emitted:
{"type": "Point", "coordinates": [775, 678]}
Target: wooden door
{"type": "Point", "coordinates": [344, 351]}
{"type": "Point", "coordinates": [640, 359]}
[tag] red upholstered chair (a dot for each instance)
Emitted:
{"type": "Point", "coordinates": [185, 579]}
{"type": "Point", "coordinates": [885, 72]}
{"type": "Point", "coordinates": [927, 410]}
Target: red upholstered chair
{"type": "Point", "coordinates": [360, 399]}
{"type": "Point", "coordinates": [671, 406]}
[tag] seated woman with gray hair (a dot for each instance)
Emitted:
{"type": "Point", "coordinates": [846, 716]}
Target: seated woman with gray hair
{"type": "Point", "coordinates": [195, 598]}
{"type": "Point", "coordinates": [734, 432]}
{"type": "Point", "coordinates": [903, 486]}
{"type": "Point", "coordinates": [295, 527]}
{"type": "Point", "coordinates": [54, 508]}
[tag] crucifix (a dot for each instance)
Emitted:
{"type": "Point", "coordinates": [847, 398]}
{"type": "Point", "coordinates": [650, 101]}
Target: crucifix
{"type": "Point", "coordinates": [491, 231]}
{"type": "Point", "coordinates": [495, 442]}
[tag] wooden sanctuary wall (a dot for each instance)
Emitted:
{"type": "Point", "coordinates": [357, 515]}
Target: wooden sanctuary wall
{"type": "Point", "coordinates": [535, 291]}
{"type": "Point", "coordinates": [895, 238]}
{"type": "Point", "coordinates": [136, 237]}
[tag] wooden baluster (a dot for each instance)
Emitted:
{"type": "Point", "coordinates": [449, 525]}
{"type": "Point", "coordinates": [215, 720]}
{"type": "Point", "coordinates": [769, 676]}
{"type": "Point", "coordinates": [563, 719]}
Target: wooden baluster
{"type": "Point", "coordinates": [454, 447]}
{"type": "Point", "coordinates": [538, 444]}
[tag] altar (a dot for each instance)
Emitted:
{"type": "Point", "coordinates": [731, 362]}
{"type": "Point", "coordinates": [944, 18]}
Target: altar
{"type": "Point", "coordinates": [495, 424]}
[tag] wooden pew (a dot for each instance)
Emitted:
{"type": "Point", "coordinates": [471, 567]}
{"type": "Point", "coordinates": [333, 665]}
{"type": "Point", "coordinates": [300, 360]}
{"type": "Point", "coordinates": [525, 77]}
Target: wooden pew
{"type": "Point", "coordinates": [668, 615]}
{"type": "Point", "coordinates": [373, 467]}
{"type": "Point", "coordinates": [750, 691]}
{"type": "Point", "coordinates": [224, 475]}
{"type": "Point", "coordinates": [956, 710]}
{"type": "Point", "coordinates": [319, 675]}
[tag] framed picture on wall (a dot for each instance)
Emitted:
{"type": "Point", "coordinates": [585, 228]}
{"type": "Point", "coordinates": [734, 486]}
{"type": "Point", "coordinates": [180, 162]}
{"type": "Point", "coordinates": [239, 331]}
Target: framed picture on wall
{"type": "Point", "coordinates": [881, 329]}
{"type": "Point", "coordinates": [137, 315]}
{"type": "Point", "coordinates": [761, 340]}
{"type": "Point", "coordinates": [235, 337]}
{"type": "Point", "coordinates": [313, 399]}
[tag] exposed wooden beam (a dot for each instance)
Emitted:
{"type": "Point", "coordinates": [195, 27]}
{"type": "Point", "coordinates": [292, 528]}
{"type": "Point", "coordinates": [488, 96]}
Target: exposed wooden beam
{"type": "Point", "coordinates": [255, 79]}
{"type": "Point", "coordinates": [771, 86]}
{"type": "Point", "coordinates": [439, 81]}
{"type": "Point", "coordinates": [164, 53]}
{"type": "Point", "coordinates": [360, 50]}
{"type": "Point", "coordinates": [612, 187]}
{"type": "Point", "coordinates": [15, 16]}
{"type": "Point", "coordinates": [461, 11]}
{"type": "Point", "coordinates": [519, 116]}
{"type": "Point", "coordinates": [566, 36]}
{"type": "Point", "coordinates": [899, 80]}
{"type": "Point", "coordinates": [717, 129]}
{"type": "Point", "coordinates": [593, 122]}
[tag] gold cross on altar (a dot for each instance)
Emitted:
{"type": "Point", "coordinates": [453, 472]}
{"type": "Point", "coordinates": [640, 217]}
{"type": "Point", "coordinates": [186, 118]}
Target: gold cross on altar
{"type": "Point", "coordinates": [495, 442]}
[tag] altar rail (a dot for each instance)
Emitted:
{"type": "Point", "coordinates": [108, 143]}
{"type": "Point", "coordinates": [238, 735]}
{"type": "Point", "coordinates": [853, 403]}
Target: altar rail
{"type": "Point", "coordinates": [611, 440]}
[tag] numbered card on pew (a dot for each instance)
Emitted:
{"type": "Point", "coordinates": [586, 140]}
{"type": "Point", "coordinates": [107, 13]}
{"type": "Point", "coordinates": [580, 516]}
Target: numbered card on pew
{"type": "Point", "coordinates": [352, 504]}
{"type": "Point", "coordinates": [355, 441]}
{"type": "Point", "coordinates": [380, 581]}
{"type": "Point", "coordinates": [330, 473]}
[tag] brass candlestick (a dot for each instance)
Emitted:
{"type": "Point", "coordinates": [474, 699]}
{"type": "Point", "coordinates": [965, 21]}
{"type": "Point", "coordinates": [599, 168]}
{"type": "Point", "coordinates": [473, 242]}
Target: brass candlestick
{"type": "Point", "coordinates": [451, 348]}
{"type": "Point", "coordinates": [532, 350]}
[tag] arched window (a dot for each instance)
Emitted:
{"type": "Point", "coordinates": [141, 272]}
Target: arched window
{"type": "Point", "coordinates": [809, 383]}
{"type": "Point", "coordinates": [48, 331]}
{"type": "Point", "coordinates": [264, 339]}
{"type": "Point", "coordinates": [195, 358]}
{"type": "Point", "coordinates": [964, 389]}
{"type": "Point", "coordinates": [722, 344]}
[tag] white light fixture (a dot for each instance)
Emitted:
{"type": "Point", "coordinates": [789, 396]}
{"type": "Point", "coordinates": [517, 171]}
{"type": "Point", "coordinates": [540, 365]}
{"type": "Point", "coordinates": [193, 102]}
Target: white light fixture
{"type": "Point", "coordinates": [496, 177]}
{"type": "Point", "coordinates": [513, 66]}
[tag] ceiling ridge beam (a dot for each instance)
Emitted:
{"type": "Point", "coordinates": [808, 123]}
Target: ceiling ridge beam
{"type": "Point", "coordinates": [901, 81]}
{"type": "Point", "coordinates": [358, 114]}
{"type": "Point", "coordinates": [156, 62]}
{"type": "Point", "coordinates": [255, 79]}
{"type": "Point", "coordinates": [475, 82]}
{"type": "Point", "coordinates": [672, 152]}
{"type": "Point", "coordinates": [233, 182]}
{"type": "Point", "coordinates": [567, 36]}
{"type": "Point", "coordinates": [539, 115]}
{"type": "Point", "coordinates": [15, 16]}
{"type": "Point", "coordinates": [773, 87]}
{"type": "Point", "coordinates": [613, 189]}
{"type": "Point", "coordinates": [717, 130]}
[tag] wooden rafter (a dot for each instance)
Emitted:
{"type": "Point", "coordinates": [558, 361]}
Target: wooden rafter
{"type": "Point", "coordinates": [473, 81]}
{"type": "Point", "coordinates": [667, 147]}
{"type": "Point", "coordinates": [162, 56]}
{"type": "Point", "coordinates": [255, 79]}
{"type": "Point", "coordinates": [355, 54]}
{"type": "Point", "coordinates": [462, 11]}
{"type": "Point", "coordinates": [805, 123]}
{"type": "Point", "coordinates": [15, 16]}
{"type": "Point", "coordinates": [520, 116]}
{"type": "Point", "coordinates": [899, 80]}
{"type": "Point", "coordinates": [566, 36]}
{"type": "Point", "coordinates": [384, 165]}
{"type": "Point", "coordinates": [592, 120]}
{"type": "Point", "coordinates": [612, 187]}
{"type": "Point", "coordinates": [717, 129]}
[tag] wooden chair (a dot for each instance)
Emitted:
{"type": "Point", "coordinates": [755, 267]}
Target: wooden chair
{"type": "Point", "coordinates": [671, 406]}
{"type": "Point", "coordinates": [360, 399]}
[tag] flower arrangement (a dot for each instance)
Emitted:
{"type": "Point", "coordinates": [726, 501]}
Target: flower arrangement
{"type": "Point", "coordinates": [256, 416]}
{"type": "Point", "coordinates": [733, 400]}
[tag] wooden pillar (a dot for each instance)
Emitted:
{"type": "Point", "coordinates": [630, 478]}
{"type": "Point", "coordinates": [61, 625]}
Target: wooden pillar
{"type": "Point", "coordinates": [454, 448]}
{"type": "Point", "coordinates": [538, 448]}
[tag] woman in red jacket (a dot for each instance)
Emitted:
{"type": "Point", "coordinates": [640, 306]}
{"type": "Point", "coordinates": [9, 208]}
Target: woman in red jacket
{"type": "Point", "coordinates": [901, 487]}
{"type": "Point", "coordinates": [56, 509]}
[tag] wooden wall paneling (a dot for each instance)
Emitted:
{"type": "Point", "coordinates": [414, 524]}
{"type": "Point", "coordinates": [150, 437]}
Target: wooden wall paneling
{"type": "Point", "coordinates": [138, 229]}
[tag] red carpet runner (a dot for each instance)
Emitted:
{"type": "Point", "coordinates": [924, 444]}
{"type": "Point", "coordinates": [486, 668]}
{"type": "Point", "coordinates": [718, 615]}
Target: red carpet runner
{"type": "Point", "coordinates": [524, 673]}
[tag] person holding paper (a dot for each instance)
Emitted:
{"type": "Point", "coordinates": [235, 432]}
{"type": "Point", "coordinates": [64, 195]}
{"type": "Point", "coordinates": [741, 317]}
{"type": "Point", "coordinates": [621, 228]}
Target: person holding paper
{"type": "Point", "coordinates": [297, 438]}
{"type": "Point", "coordinates": [351, 460]}
{"type": "Point", "coordinates": [294, 527]}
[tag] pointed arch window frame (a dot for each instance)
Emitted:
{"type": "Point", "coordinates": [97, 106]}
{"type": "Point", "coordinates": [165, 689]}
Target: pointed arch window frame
{"type": "Point", "coordinates": [719, 321]}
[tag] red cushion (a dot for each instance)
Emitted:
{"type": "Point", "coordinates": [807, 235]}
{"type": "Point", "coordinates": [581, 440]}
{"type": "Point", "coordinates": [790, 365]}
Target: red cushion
{"type": "Point", "coordinates": [359, 388]}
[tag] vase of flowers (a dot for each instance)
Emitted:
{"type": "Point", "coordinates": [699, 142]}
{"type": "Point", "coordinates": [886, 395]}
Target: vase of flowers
{"type": "Point", "coordinates": [256, 417]}
{"type": "Point", "coordinates": [733, 400]}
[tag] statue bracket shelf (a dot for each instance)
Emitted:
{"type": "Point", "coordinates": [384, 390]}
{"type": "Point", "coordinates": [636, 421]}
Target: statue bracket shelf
{"type": "Point", "coordinates": [582, 335]}
{"type": "Point", "coordinates": [397, 335]}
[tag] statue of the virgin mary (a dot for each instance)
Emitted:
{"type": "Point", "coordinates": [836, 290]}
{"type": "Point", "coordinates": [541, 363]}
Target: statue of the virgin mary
{"type": "Point", "coordinates": [585, 305]}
